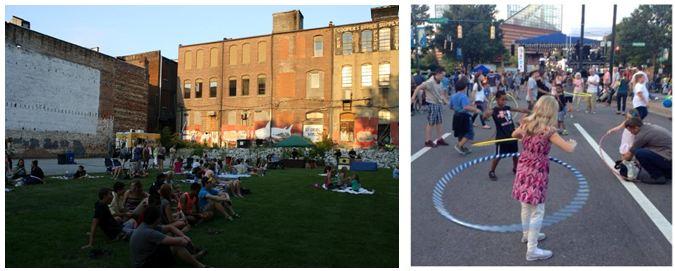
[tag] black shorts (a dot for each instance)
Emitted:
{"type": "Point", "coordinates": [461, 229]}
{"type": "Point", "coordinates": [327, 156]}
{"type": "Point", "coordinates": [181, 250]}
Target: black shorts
{"type": "Point", "coordinates": [568, 99]}
{"type": "Point", "coordinates": [461, 125]}
{"type": "Point", "coordinates": [507, 147]}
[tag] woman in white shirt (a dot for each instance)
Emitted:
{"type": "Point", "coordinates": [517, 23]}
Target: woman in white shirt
{"type": "Point", "coordinates": [641, 96]}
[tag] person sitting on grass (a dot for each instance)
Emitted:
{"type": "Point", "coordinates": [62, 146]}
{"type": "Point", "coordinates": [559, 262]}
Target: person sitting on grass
{"type": "Point", "coordinates": [188, 205]}
{"type": "Point", "coordinates": [116, 206]}
{"type": "Point", "coordinates": [343, 178]}
{"type": "Point", "coordinates": [178, 165]}
{"type": "Point", "coordinates": [153, 246]}
{"type": "Point", "coordinates": [211, 200]}
{"type": "Point", "coordinates": [80, 172]}
{"type": "Point", "coordinates": [36, 175]}
{"type": "Point", "coordinates": [19, 171]}
{"type": "Point", "coordinates": [168, 216]}
{"type": "Point", "coordinates": [105, 220]}
{"type": "Point", "coordinates": [356, 183]}
{"type": "Point", "coordinates": [135, 200]}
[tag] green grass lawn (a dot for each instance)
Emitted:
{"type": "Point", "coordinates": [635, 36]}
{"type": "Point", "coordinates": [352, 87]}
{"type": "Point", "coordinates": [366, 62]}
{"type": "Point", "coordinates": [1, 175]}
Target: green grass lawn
{"type": "Point", "coordinates": [284, 223]}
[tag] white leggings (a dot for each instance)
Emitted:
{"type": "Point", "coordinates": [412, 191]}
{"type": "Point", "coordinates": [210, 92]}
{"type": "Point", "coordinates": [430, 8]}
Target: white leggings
{"type": "Point", "coordinates": [531, 217]}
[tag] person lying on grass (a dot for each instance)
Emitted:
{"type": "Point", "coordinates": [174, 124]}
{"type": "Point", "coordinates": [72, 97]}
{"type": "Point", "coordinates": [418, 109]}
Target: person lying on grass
{"type": "Point", "coordinates": [168, 215]}
{"type": "Point", "coordinates": [232, 186]}
{"type": "Point", "coordinates": [188, 205]}
{"type": "Point", "coordinates": [211, 200]}
{"type": "Point", "coordinates": [103, 219]}
{"type": "Point", "coordinates": [154, 245]}
{"type": "Point", "coordinates": [135, 200]}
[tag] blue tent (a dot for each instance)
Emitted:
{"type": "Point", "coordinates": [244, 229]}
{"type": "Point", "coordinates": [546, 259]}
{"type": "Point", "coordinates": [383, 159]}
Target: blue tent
{"type": "Point", "coordinates": [555, 38]}
{"type": "Point", "coordinates": [482, 68]}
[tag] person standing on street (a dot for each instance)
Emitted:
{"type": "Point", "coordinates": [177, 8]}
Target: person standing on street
{"type": "Point", "coordinates": [641, 95]}
{"type": "Point", "coordinates": [435, 98]}
{"type": "Point", "coordinates": [622, 94]}
{"type": "Point", "coordinates": [592, 89]}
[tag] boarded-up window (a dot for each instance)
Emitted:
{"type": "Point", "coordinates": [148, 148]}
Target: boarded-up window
{"type": "Point", "coordinates": [213, 55]}
{"type": "Point", "coordinates": [385, 74]}
{"type": "Point", "coordinates": [384, 39]}
{"type": "Point", "coordinates": [367, 41]}
{"type": "Point", "coordinates": [346, 76]}
{"type": "Point", "coordinates": [233, 55]}
{"type": "Point", "coordinates": [200, 59]}
{"type": "Point", "coordinates": [347, 127]}
{"type": "Point", "coordinates": [262, 52]}
{"type": "Point", "coordinates": [347, 43]}
{"type": "Point", "coordinates": [318, 46]}
{"type": "Point", "coordinates": [188, 60]}
{"type": "Point", "coordinates": [246, 53]}
{"type": "Point", "coordinates": [366, 75]}
{"type": "Point", "coordinates": [245, 84]}
{"type": "Point", "coordinates": [314, 84]}
{"type": "Point", "coordinates": [262, 85]}
{"type": "Point", "coordinates": [260, 116]}
{"type": "Point", "coordinates": [232, 117]}
{"type": "Point", "coordinates": [314, 115]}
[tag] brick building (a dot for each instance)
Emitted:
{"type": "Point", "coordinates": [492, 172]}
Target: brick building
{"type": "Point", "coordinates": [161, 92]}
{"type": "Point", "coordinates": [60, 96]}
{"type": "Point", "coordinates": [336, 81]}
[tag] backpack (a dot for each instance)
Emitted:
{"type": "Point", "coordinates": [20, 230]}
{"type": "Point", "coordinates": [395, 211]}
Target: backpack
{"type": "Point", "coordinates": [629, 170]}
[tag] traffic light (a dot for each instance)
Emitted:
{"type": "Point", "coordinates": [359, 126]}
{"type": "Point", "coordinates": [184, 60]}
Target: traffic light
{"type": "Point", "coordinates": [459, 31]}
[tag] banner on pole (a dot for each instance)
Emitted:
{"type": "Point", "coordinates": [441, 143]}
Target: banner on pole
{"type": "Point", "coordinates": [521, 58]}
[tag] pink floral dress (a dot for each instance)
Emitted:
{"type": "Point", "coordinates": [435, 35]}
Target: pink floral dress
{"type": "Point", "coordinates": [531, 180]}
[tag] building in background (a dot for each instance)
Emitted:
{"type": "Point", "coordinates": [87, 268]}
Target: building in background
{"type": "Point", "coordinates": [339, 82]}
{"type": "Point", "coordinates": [62, 97]}
{"type": "Point", "coordinates": [162, 75]}
{"type": "Point", "coordinates": [547, 17]}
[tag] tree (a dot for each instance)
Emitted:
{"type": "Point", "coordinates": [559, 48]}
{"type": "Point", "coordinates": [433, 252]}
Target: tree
{"type": "Point", "coordinates": [419, 14]}
{"type": "Point", "coordinates": [476, 45]}
{"type": "Point", "coordinates": [651, 24]}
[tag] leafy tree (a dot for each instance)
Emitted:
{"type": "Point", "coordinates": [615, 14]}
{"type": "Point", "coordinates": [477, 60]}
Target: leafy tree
{"type": "Point", "coordinates": [651, 24]}
{"type": "Point", "coordinates": [419, 13]}
{"type": "Point", "coordinates": [167, 138]}
{"type": "Point", "coordinates": [475, 44]}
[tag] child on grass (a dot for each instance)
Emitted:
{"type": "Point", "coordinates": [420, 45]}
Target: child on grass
{"type": "Point", "coordinates": [537, 132]}
{"type": "Point", "coordinates": [501, 114]}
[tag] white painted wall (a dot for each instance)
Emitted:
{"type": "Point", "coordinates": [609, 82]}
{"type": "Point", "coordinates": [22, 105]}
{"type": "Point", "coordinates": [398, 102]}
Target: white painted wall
{"type": "Point", "coordinates": [49, 94]}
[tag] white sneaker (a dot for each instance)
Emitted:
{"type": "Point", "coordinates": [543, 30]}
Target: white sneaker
{"type": "Point", "coordinates": [538, 254]}
{"type": "Point", "coordinates": [542, 236]}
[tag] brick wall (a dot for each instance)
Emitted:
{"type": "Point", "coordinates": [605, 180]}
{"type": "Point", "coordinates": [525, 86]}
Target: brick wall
{"type": "Point", "coordinates": [121, 103]}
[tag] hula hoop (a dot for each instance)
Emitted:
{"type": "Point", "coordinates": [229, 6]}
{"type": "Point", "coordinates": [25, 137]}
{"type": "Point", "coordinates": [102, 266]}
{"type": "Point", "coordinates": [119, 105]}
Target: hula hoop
{"type": "Point", "coordinates": [490, 142]}
{"type": "Point", "coordinates": [580, 94]}
{"type": "Point", "coordinates": [565, 212]}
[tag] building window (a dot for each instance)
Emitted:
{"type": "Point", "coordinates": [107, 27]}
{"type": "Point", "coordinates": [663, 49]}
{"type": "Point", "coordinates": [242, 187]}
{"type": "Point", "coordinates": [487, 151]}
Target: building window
{"type": "Point", "coordinates": [260, 116]}
{"type": "Point", "coordinates": [246, 53]}
{"type": "Point", "coordinates": [347, 127]}
{"type": "Point", "coordinates": [233, 87]}
{"type": "Point", "coordinates": [314, 116]}
{"type": "Point", "coordinates": [188, 60]}
{"type": "Point", "coordinates": [187, 88]}
{"type": "Point", "coordinates": [232, 117]}
{"type": "Point", "coordinates": [233, 55]}
{"type": "Point", "coordinates": [245, 83]}
{"type": "Point", "coordinates": [200, 59]}
{"type": "Point", "coordinates": [346, 76]}
{"type": "Point", "coordinates": [261, 85]}
{"type": "Point", "coordinates": [384, 116]}
{"type": "Point", "coordinates": [367, 41]}
{"type": "Point", "coordinates": [314, 84]}
{"type": "Point", "coordinates": [213, 58]}
{"type": "Point", "coordinates": [198, 88]}
{"type": "Point", "coordinates": [366, 75]}
{"type": "Point", "coordinates": [262, 51]}
{"type": "Point", "coordinates": [318, 46]}
{"type": "Point", "coordinates": [213, 88]}
{"type": "Point", "coordinates": [384, 39]}
{"type": "Point", "coordinates": [347, 43]}
{"type": "Point", "coordinates": [384, 74]}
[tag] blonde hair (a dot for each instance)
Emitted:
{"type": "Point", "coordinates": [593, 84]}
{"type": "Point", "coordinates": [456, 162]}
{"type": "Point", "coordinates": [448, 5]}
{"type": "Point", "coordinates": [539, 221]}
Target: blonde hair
{"type": "Point", "coordinates": [544, 114]}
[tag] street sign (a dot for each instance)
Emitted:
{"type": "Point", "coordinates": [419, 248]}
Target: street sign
{"type": "Point", "coordinates": [521, 58]}
{"type": "Point", "coordinates": [638, 44]}
{"type": "Point", "coordinates": [437, 20]}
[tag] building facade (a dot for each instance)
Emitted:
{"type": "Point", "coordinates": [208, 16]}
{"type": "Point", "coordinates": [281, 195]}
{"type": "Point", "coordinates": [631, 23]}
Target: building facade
{"type": "Point", "coordinates": [162, 74]}
{"type": "Point", "coordinates": [62, 97]}
{"type": "Point", "coordinates": [536, 16]}
{"type": "Point", "coordinates": [294, 81]}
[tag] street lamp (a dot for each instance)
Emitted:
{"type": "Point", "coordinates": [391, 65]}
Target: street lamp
{"type": "Point", "coordinates": [459, 31]}
{"type": "Point", "coordinates": [492, 32]}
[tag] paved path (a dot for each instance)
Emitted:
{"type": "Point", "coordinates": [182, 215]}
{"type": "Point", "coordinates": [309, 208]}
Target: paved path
{"type": "Point", "coordinates": [611, 229]}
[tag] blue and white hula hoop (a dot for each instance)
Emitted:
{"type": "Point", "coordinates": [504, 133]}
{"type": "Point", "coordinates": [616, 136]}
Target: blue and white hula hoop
{"type": "Point", "coordinates": [567, 211]}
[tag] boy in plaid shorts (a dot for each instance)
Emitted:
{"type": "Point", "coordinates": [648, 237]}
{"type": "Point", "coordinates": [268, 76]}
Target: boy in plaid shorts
{"type": "Point", "coordinates": [435, 98]}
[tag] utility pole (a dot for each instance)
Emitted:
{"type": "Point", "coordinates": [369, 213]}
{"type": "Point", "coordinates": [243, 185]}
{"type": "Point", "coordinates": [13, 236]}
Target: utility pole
{"type": "Point", "coordinates": [611, 52]}
{"type": "Point", "coordinates": [581, 47]}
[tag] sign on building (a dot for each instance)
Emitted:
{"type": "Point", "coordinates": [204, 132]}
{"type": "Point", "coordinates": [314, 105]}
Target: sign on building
{"type": "Point", "coordinates": [313, 132]}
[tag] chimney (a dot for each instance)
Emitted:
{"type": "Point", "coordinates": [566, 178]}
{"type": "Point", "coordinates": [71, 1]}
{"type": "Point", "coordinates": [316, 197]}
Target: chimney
{"type": "Point", "coordinates": [384, 13]}
{"type": "Point", "coordinates": [20, 22]}
{"type": "Point", "coordinates": [287, 21]}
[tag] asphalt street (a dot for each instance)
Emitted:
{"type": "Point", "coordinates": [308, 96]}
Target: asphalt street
{"type": "Point", "coordinates": [611, 229]}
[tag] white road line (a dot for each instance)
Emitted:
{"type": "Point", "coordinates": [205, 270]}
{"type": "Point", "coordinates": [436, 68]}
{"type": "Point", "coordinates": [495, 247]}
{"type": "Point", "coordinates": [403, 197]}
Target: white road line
{"type": "Point", "coordinates": [659, 220]}
{"type": "Point", "coordinates": [425, 149]}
